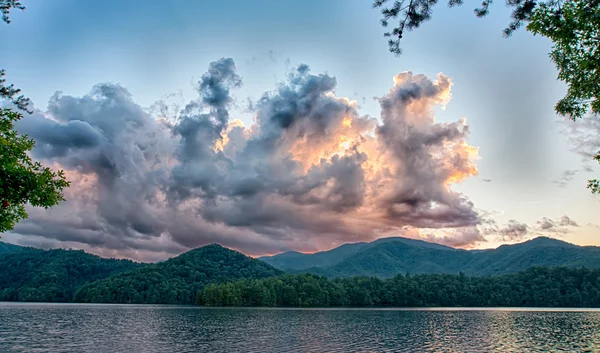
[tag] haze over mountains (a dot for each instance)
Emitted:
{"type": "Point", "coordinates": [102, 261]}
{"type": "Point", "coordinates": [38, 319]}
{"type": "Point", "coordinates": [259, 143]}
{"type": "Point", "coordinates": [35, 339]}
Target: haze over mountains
{"type": "Point", "coordinates": [390, 256]}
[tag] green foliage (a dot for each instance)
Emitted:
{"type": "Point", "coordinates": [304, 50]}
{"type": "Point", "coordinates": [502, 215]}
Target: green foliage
{"type": "Point", "coordinates": [28, 274]}
{"type": "Point", "coordinates": [536, 287]}
{"type": "Point", "coordinates": [387, 257]}
{"type": "Point", "coordinates": [6, 248]}
{"type": "Point", "coordinates": [216, 276]}
{"type": "Point", "coordinates": [574, 29]}
{"type": "Point", "coordinates": [177, 280]}
{"type": "Point", "coordinates": [22, 180]}
{"type": "Point", "coordinates": [288, 290]}
{"type": "Point", "coordinates": [7, 5]}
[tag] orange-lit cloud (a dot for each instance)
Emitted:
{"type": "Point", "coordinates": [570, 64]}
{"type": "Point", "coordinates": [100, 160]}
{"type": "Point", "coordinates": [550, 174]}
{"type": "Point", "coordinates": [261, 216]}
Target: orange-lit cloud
{"type": "Point", "coordinates": [310, 173]}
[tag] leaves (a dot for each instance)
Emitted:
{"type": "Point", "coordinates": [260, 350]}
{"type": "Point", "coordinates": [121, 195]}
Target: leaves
{"type": "Point", "coordinates": [574, 30]}
{"type": "Point", "coordinates": [22, 180]}
{"type": "Point", "coordinates": [412, 13]}
{"type": "Point", "coordinates": [7, 5]}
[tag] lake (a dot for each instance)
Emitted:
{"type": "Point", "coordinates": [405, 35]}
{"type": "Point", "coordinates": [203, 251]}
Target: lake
{"type": "Point", "coordinates": [28, 327]}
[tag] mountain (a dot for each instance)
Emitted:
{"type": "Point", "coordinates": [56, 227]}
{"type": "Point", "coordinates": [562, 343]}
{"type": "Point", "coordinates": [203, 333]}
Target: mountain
{"type": "Point", "coordinates": [28, 274]}
{"type": "Point", "coordinates": [177, 280]}
{"type": "Point", "coordinates": [6, 248]}
{"type": "Point", "coordinates": [540, 251]}
{"type": "Point", "coordinates": [293, 260]}
{"type": "Point", "coordinates": [390, 256]}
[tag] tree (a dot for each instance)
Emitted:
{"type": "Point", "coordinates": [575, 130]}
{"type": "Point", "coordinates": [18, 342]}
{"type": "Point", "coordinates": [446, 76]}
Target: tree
{"type": "Point", "coordinates": [573, 26]}
{"type": "Point", "coordinates": [7, 5]}
{"type": "Point", "coordinates": [22, 180]}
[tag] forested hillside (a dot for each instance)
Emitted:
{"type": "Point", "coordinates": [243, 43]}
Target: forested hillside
{"type": "Point", "coordinates": [388, 257]}
{"type": "Point", "coordinates": [29, 274]}
{"type": "Point", "coordinates": [177, 280]}
{"type": "Point", "coordinates": [6, 248]}
{"type": "Point", "coordinates": [218, 276]}
{"type": "Point", "coordinates": [535, 287]}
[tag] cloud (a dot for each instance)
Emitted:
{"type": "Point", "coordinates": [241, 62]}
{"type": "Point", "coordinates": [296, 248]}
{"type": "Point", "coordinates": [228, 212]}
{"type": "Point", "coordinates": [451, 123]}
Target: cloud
{"type": "Point", "coordinates": [513, 231]}
{"type": "Point", "coordinates": [272, 57]}
{"type": "Point", "coordinates": [566, 221]}
{"type": "Point", "coordinates": [584, 136]}
{"type": "Point", "coordinates": [459, 238]}
{"type": "Point", "coordinates": [310, 172]}
{"type": "Point", "coordinates": [559, 226]}
{"type": "Point", "coordinates": [566, 177]}
{"type": "Point", "coordinates": [587, 169]}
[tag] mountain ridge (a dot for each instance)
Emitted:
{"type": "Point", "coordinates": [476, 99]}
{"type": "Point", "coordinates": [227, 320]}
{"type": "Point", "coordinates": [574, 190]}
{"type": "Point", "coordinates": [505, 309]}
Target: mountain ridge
{"type": "Point", "coordinates": [389, 256]}
{"type": "Point", "coordinates": [29, 274]}
{"type": "Point", "coordinates": [176, 280]}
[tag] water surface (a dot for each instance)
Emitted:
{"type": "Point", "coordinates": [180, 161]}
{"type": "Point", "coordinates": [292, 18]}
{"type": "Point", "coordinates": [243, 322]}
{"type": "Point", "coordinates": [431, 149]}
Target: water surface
{"type": "Point", "coordinates": [147, 328]}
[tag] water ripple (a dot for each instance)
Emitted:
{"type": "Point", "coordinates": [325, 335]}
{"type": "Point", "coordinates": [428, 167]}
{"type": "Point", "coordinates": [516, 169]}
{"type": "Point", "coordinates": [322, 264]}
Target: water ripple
{"type": "Point", "coordinates": [131, 328]}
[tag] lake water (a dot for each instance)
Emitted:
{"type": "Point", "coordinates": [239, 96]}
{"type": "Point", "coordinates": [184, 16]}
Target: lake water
{"type": "Point", "coordinates": [147, 328]}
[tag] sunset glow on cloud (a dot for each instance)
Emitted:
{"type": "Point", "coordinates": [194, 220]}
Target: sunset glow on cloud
{"type": "Point", "coordinates": [169, 148]}
{"type": "Point", "coordinates": [309, 173]}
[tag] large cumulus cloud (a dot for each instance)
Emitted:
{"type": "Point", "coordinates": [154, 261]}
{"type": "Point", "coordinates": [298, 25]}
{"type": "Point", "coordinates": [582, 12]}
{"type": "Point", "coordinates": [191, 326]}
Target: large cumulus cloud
{"type": "Point", "coordinates": [310, 172]}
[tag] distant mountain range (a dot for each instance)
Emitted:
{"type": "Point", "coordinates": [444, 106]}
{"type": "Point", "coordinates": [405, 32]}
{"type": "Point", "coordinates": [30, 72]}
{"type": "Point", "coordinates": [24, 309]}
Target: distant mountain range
{"type": "Point", "coordinates": [29, 274]}
{"type": "Point", "coordinates": [390, 256]}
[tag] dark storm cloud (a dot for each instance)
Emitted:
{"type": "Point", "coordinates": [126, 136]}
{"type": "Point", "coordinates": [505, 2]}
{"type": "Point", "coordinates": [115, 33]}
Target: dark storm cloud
{"type": "Point", "coordinates": [54, 139]}
{"type": "Point", "coordinates": [215, 84]}
{"type": "Point", "coordinates": [309, 173]}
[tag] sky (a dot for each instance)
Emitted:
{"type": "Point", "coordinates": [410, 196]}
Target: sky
{"type": "Point", "coordinates": [268, 126]}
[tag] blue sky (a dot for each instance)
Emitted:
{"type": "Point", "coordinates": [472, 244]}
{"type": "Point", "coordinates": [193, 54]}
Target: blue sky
{"type": "Point", "coordinates": [506, 88]}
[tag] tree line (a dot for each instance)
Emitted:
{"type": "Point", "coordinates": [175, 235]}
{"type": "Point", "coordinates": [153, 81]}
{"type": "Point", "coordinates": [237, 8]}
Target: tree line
{"type": "Point", "coordinates": [535, 287]}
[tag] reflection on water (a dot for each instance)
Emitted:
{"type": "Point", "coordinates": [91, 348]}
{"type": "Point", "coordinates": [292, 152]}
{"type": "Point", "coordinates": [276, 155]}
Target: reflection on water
{"type": "Point", "coordinates": [131, 328]}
